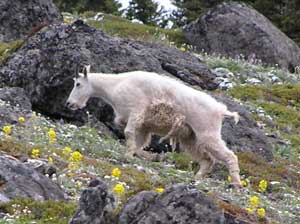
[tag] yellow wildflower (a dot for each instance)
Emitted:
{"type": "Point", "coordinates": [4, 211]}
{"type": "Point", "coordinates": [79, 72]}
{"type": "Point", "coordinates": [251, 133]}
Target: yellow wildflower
{"type": "Point", "coordinates": [21, 119]}
{"type": "Point", "coordinates": [67, 151]}
{"type": "Point", "coordinates": [250, 211]}
{"type": "Point", "coordinates": [183, 49]}
{"type": "Point", "coordinates": [229, 179]}
{"type": "Point", "coordinates": [33, 115]}
{"type": "Point", "coordinates": [254, 201]}
{"type": "Point", "coordinates": [244, 183]}
{"type": "Point", "coordinates": [50, 160]}
{"type": "Point", "coordinates": [70, 174]}
{"type": "Point", "coordinates": [52, 136]}
{"type": "Point", "coordinates": [261, 212]}
{"type": "Point", "coordinates": [72, 166]}
{"type": "Point", "coordinates": [7, 129]}
{"type": "Point", "coordinates": [67, 20]}
{"type": "Point", "coordinates": [35, 153]}
{"type": "Point", "coordinates": [262, 186]}
{"type": "Point", "coordinates": [76, 157]}
{"type": "Point", "coordinates": [119, 189]}
{"type": "Point", "coordinates": [78, 184]}
{"type": "Point", "coordinates": [160, 190]}
{"type": "Point", "coordinates": [116, 172]}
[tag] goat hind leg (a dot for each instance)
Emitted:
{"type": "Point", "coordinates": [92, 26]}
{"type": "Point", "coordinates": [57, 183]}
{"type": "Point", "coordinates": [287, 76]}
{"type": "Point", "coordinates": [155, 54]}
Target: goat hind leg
{"type": "Point", "coordinates": [218, 149]}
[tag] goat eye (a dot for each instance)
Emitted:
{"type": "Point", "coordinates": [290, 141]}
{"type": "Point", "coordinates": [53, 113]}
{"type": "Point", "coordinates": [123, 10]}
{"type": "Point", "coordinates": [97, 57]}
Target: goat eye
{"type": "Point", "coordinates": [77, 84]}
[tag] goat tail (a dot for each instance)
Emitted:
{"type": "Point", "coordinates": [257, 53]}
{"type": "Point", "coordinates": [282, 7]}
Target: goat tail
{"type": "Point", "coordinates": [235, 115]}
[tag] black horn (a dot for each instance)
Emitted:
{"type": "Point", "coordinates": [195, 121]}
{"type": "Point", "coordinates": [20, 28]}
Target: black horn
{"type": "Point", "coordinates": [77, 71]}
{"type": "Point", "coordinates": [85, 72]}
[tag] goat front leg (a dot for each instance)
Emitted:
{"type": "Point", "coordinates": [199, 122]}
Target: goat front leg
{"type": "Point", "coordinates": [206, 165]}
{"type": "Point", "coordinates": [142, 139]}
{"type": "Point", "coordinates": [130, 140]}
{"type": "Point", "coordinates": [136, 139]}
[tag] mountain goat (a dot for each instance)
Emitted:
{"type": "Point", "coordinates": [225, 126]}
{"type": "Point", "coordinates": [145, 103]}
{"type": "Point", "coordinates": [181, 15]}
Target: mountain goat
{"type": "Point", "coordinates": [193, 114]}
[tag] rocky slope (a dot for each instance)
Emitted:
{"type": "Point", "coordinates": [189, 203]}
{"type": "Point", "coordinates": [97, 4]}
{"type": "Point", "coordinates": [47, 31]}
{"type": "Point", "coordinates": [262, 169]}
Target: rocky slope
{"type": "Point", "coordinates": [86, 164]}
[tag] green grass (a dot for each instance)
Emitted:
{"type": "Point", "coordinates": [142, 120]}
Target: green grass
{"type": "Point", "coordinates": [217, 62]}
{"type": "Point", "coordinates": [118, 26]}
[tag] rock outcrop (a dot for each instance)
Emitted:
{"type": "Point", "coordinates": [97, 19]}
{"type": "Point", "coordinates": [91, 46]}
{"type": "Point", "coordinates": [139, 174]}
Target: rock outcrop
{"type": "Point", "coordinates": [179, 204]}
{"type": "Point", "coordinates": [235, 29]}
{"type": "Point", "coordinates": [96, 205]}
{"type": "Point", "coordinates": [19, 18]}
{"type": "Point", "coordinates": [18, 180]}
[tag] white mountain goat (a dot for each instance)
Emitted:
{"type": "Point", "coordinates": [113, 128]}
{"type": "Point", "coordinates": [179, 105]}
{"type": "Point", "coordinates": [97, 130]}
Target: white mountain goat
{"type": "Point", "coordinates": [130, 94]}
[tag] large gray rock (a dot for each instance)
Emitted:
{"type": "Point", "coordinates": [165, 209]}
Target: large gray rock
{"type": "Point", "coordinates": [234, 28]}
{"type": "Point", "coordinates": [45, 65]}
{"type": "Point", "coordinates": [19, 18]}
{"type": "Point", "coordinates": [180, 204]}
{"type": "Point", "coordinates": [19, 180]}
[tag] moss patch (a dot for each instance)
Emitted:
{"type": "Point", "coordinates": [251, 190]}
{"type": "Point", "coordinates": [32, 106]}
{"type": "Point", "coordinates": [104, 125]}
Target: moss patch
{"type": "Point", "coordinates": [181, 160]}
{"type": "Point", "coordinates": [6, 49]}
{"type": "Point", "coordinates": [40, 212]}
{"type": "Point", "coordinates": [257, 169]}
{"type": "Point", "coordinates": [281, 102]}
{"type": "Point", "coordinates": [13, 148]}
{"type": "Point", "coordinates": [283, 94]}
